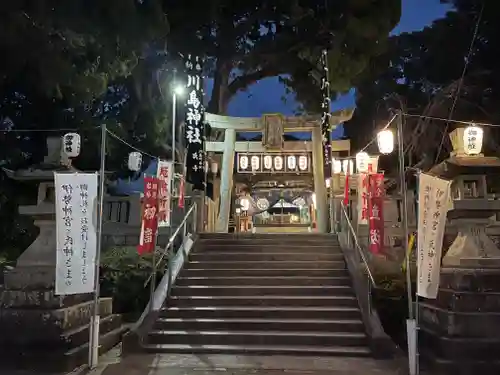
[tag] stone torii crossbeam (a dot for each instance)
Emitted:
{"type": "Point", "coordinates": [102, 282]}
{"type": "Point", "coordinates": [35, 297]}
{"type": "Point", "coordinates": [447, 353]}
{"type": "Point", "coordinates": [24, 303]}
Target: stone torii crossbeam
{"type": "Point", "coordinates": [273, 127]}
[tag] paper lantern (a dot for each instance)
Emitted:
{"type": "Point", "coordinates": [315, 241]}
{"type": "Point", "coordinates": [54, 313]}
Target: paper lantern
{"type": "Point", "coordinates": [303, 163]}
{"type": "Point", "coordinates": [336, 166]}
{"type": "Point", "coordinates": [243, 162]}
{"type": "Point", "coordinates": [245, 204]}
{"type": "Point", "coordinates": [255, 161]}
{"type": "Point", "coordinates": [473, 140]}
{"type": "Point", "coordinates": [268, 162]}
{"type": "Point", "coordinates": [362, 161]}
{"type": "Point", "coordinates": [134, 161]}
{"type": "Point", "coordinates": [278, 163]}
{"type": "Point", "coordinates": [328, 183]}
{"type": "Point", "coordinates": [348, 167]}
{"type": "Point", "coordinates": [72, 144]}
{"type": "Point", "coordinates": [385, 140]}
{"type": "Point", "coordinates": [214, 167]}
{"type": "Point", "coordinates": [291, 162]}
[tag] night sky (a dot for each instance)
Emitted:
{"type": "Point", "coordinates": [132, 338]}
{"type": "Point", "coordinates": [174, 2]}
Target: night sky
{"type": "Point", "coordinates": [266, 95]}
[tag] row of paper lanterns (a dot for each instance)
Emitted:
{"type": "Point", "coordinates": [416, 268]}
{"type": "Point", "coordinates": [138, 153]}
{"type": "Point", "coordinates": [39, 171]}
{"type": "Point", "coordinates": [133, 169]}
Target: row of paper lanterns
{"type": "Point", "coordinates": [291, 162]}
{"type": "Point", "coordinates": [472, 141]}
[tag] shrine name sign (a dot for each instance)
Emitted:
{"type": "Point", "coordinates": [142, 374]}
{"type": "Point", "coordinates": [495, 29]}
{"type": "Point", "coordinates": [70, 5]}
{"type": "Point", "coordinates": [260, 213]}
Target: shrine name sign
{"type": "Point", "coordinates": [274, 162]}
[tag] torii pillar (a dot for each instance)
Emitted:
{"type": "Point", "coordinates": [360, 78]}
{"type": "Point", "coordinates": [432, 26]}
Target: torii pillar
{"type": "Point", "coordinates": [226, 184]}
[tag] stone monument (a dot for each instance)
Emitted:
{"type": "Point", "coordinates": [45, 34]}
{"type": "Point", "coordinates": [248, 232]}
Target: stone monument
{"type": "Point", "coordinates": [39, 330]}
{"type": "Point", "coordinates": [459, 331]}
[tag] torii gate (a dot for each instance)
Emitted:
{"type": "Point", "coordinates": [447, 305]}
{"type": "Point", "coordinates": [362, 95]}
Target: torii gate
{"type": "Point", "coordinates": [272, 126]}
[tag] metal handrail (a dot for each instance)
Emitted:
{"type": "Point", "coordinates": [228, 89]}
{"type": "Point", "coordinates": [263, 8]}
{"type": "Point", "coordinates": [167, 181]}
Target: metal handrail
{"type": "Point", "coordinates": [192, 209]}
{"type": "Point", "coordinates": [357, 245]}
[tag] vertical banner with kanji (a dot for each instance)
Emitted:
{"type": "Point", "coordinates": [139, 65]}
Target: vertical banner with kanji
{"type": "Point", "coordinates": [164, 173]}
{"type": "Point", "coordinates": [325, 117]}
{"type": "Point", "coordinates": [149, 225]}
{"type": "Point", "coordinates": [76, 234]}
{"type": "Point", "coordinates": [194, 124]}
{"type": "Point", "coordinates": [433, 196]}
{"type": "Point", "coordinates": [376, 195]}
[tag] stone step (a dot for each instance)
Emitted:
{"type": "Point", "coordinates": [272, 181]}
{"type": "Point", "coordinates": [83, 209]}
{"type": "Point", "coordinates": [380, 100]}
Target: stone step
{"type": "Point", "coordinates": [267, 236]}
{"type": "Point", "coordinates": [279, 338]}
{"type": "Point", "coordinates": [262, 312]}
{"type": "Point", "coordinates": [256, 291]}
{"type": "Point", "coordinates": [200, 272]}
{"type": "Point", "coordinates": [265, 264]}
{"type": "Point", "coordinates": [249, 256]}
{"type": "Point", "coordinates": [300, 246]}
{"type": "Point", "coordinates": [262, 281]}
{"type": "Point", "coordinates": [258, 324]}
{"type": "Point", "coordinates": [277, 301]}
{"type": "Point", "coordinates": [331, 351]}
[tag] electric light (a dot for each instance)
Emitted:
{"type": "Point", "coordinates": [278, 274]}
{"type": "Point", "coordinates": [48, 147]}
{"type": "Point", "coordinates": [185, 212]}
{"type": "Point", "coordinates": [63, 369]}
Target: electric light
{"type": "Point", "coordinates": [385, 140]}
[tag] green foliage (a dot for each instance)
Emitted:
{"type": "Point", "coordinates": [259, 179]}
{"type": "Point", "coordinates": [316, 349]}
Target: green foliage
{"type": "Point", "coordinates": [420, 73]}
{"type": "Point", "coordinates": [247, 41]}
{"type": "Point", "coordinates": [123, 275]}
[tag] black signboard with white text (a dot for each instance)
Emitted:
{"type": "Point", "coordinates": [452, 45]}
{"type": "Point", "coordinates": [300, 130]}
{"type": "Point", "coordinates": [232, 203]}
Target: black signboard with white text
{"type": "Point", "coordinates": [194, 124]}
{"type": "Point", "coordinates": [325, 117]}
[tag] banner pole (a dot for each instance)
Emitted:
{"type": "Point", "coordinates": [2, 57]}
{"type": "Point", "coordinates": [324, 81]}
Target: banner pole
{"type": "Point", "coordinates": [94, 322]}
{"type": "Point", "coordinates": [410, 322]}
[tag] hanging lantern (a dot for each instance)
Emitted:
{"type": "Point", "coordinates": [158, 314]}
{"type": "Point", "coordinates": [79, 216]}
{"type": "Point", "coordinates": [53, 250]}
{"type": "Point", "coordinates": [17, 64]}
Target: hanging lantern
{"type": "Point", "coordinates": [134, 161]}
{"type": "Point", "coordinates": [303, 163]}
{"type": "Point", "coordinates": [278, 163]}
{"type": "Point", "coordinates": [244, 162]}
{"type": "Point", "coordinates": [255, 161]}
{"type": "Point", "coordinates": [473, 140]}
{"type": "Point", "coordinates": [337, 166]}
{"type": "Point", "coordinates": [328, 183]}
{"type": "Point", "coordinates": [348, 167]}
{"type": "Point", "coordinates": [71, 144]}
{"type": "Point", "coordinates": [385, 140]}
{"type": "Point", "coordinates": [245, 204]}
{"type": "Point", "coordinates": [268, 162]}
{"type": "Point", "coordinates": [291, 162]}
{"type": "Point", "coordinates": [362, 161]}
{"type": "Point", "coordinates": [214, 168]}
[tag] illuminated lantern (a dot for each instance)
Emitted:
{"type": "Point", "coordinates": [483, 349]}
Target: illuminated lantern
{"type": "Point", "coordinates": [362, 161]}
{"type": "Point", "coordinates": [473, 140]}
{"type": "Point", "coordinates": [72, 144]}
{"type": "Point", "coordinates": [337, 166]}
{"type": "Point", "coordinates": [244, 162]}
{"type": "Point", "coordinates": [245, 204]}
{"type": "Point", "coordinates": [347, 166]}
{"type": "Point", "coordinates": [255, 161]}
{"type": "Point", "coordinates": [268, 162]}
{"type": "Point", "coordinates": [385, 140]}
{"type": "Point", "coordinates": [134, 161]}
{"type": "Point", "coordinates": [303, 163]}
{"type": "Point", "coordinates": [291, 162]}
{"type": "Point", "coordinates": [278, 163]}
{"type": "Point", "coordinates": [214, 168]}
{"type": "Point", "coordinates": [328, 183]}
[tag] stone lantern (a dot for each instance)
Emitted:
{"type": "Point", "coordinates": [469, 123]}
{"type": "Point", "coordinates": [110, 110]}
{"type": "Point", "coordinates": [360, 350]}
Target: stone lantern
{"type": "Point", "coordinates": [459, 330]}
{"type": "Point", "coordinates": [40, 330]}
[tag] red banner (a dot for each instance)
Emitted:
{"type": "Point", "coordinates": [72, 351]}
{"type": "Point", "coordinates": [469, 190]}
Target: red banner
{"type": "Point", "coordinates": [164, 174]}
{"type": "Point", "coordinates": [181, 193]}
{"type": "Point", "coordinates": [149, 225]}
{"type": "Point", "coordinates": [376, 212]}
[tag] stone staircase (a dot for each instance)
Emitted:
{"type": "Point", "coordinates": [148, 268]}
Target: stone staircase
{"type": "Point", "coordinates": [262, 294]}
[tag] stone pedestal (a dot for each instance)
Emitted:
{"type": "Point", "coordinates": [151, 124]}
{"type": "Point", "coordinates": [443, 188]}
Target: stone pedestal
{"type": "Point", "coordinates": [42, 331]}
{"type": "Point", "coordinates": [460, 330]}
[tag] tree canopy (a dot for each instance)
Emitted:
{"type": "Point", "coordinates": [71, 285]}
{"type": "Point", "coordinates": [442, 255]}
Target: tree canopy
{"type": "Point", "coordinates": [421, 73]}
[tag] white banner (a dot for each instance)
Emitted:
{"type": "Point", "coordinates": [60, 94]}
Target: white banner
{"type": "Point", "coordinates": [433, 196]}
{"type": "Point", "coordinates": [362, 205]}
{"type": "Point", "coordinates": [76, 235]}
{"type": "Point", "coordinates": [165, 172]}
